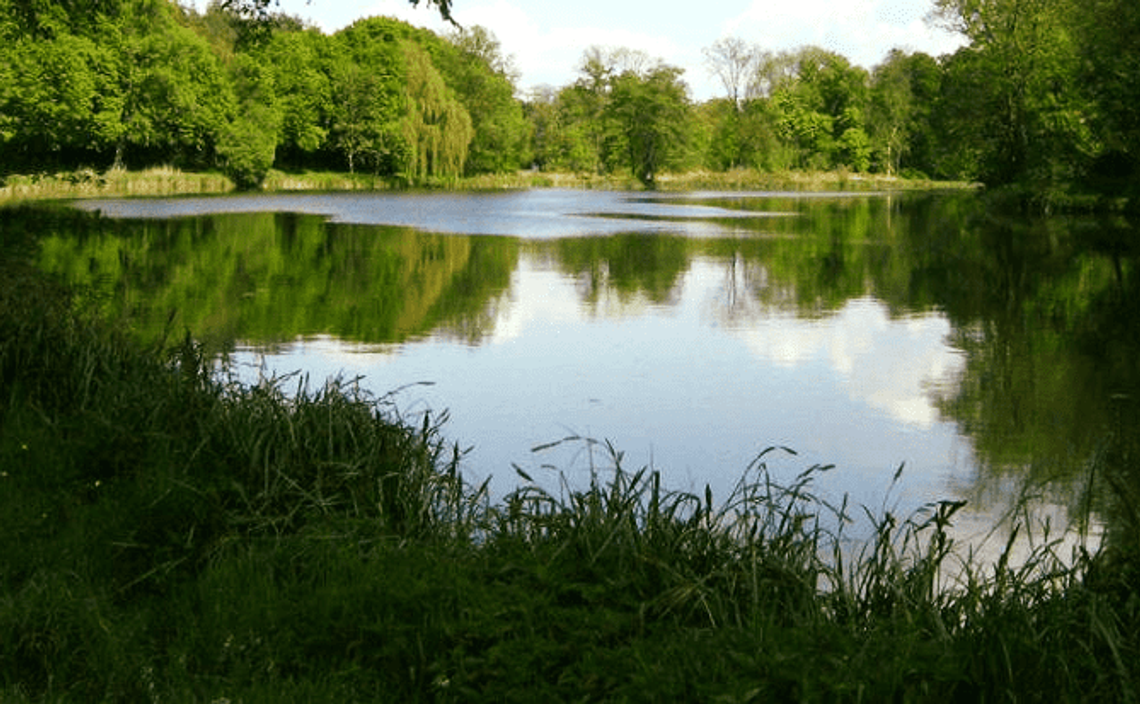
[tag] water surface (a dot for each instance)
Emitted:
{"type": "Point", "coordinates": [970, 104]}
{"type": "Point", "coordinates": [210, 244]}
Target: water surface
{"type": "Point", "coordinates": [866, 331]}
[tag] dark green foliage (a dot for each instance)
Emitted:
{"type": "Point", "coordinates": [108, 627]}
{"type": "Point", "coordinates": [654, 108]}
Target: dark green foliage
{"type": "Point", "coordinates": [905, 92]}
{"type": "Point", "coordinates": [159, 462]}
{"type": "Point", "coordinates": [744, 137]}
{"type": "Point", "coordinates": [1028, 126]}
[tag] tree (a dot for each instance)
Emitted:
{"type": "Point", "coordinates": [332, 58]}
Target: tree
{"type": "Point", "coordinates": [437, 127]}
{"type": "Point", "coordinates": [40, 20]}
{"type": "Point", "coordinates": [744, 137]}
{"type": "Point", "coordinates": [583, 109]}
{"type": "Point", "coordinates": [480, 44]}
{"type": "Point", "coordinates": [725, 150]}
{"type": "Point", "coordinates": [361, 113]}
{"type": "Point", "coordinates": [818, 97]}
{"type": "Point", "coordinates": [300, 63]}
{"type": "Point", "coordinates": [854, 148]}
{"type": "Point", "coordinates": [808, 131]}
{"type": "Point", "coordinates": [574, 138]}
{"type": "Point", "coordinates": [904, 97]}
{"type": "Point", "coordinates": [1109, 32]}
{"type": "Point", "coordinates": [892, 104]}
{"type": "Point", "coordinates": [176, 97]}
{"type": "Point", "coordinates": [653, 112]}
{"type": "Point", "coordinates": [772, 72]}
{"type": "Point", "coordinates": [484, 81]}
{"type": "Point", "coordinates": [904, 91]}
{"type": "Point", "coordinates": [113, 82]}
{"type": "Point", "coordinates": [540, 111]}
{"type": "Point", "coordinates": [1024, 66]}
{"type": "Point", "coordinates": [369, 96]}
{"type": "Point", "coordinates": [51, 107]}
{"type": "Point", "coordinates": [248, 144]}
{"type": "Point", "coordinates": [733, 61]}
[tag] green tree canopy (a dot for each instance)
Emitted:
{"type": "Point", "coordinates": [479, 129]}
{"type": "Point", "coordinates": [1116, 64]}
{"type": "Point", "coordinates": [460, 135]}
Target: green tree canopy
{"type": "Point", "coordinates": [1026, 121]}
{"type": "Point", "coordinates": [437, 126]}
{"type": "Point", "coordinates": [484, 79]}
{"type": "Point", "coordinates": [653, 114]}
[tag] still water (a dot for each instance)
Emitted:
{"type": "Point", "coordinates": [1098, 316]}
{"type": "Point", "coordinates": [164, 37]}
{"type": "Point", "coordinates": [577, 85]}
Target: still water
{"type": "Point", "coordinates": [864, 331]}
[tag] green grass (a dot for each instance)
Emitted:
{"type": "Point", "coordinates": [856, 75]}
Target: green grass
{"type": "Point", "coordinates": [171, 535]}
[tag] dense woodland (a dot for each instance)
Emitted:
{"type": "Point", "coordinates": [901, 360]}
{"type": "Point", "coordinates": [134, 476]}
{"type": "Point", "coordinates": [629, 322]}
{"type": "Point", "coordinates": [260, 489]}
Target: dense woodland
{"type": "Point", "coordinates": [1041, 101]}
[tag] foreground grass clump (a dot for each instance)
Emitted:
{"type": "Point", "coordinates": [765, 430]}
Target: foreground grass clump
{"type": "Point", "coordinates": [171, 535]}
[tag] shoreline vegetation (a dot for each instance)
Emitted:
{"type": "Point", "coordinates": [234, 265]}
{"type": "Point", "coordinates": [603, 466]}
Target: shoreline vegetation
{"type": "Point", "coordinates": [172, 535]}
{"type": "Point", "coordinates": [171, 181]}
{"type": "Point", "coordinates": [1037, 104]}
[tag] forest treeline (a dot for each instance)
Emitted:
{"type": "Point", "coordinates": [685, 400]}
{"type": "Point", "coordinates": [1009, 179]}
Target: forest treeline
{"type": "Point", "coordinates": [1041, 100]}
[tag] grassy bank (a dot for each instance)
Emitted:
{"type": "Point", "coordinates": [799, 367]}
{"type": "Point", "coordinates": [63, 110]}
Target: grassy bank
{"type": "Point", "coordinates": [173, 536]}
{"type": "Point", "coordinates": [753, 180]}
{"type": "Point", "coordinates": [89, 183]}
{"type": "Point", "coordinates": [169, 181]}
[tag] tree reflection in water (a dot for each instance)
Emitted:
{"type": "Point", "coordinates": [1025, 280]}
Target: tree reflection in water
{"type": "Point", "coordinates": [1039, 314]}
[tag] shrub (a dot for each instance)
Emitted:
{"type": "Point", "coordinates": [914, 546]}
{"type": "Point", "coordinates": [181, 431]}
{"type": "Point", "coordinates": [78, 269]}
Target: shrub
{"type": "Point", "coordinates": [247, 148]}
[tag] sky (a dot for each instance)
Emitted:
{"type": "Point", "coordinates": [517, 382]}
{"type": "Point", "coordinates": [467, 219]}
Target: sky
{"type": "Point", "coordinates": [547, 37]}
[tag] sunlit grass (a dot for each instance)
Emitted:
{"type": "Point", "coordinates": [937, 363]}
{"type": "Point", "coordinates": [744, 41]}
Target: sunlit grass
{"type": "Point", "coordinates": [792, 180]}
{"type": "Point", "coordinates": [88, 183]}
{"type": "Point", "coordinates": [323, 181]}
{"type": "Point", "coordinates": [171, 534]}
{"type": "Point", "coordinates": [169, 181]}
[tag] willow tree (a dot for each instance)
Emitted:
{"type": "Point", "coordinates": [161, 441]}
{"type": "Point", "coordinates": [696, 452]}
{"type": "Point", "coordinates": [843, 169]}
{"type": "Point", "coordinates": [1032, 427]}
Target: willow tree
{"type": "Point", "coordinates": [473, 64]}
{"type": "Point", "coordinates": [437, 126]}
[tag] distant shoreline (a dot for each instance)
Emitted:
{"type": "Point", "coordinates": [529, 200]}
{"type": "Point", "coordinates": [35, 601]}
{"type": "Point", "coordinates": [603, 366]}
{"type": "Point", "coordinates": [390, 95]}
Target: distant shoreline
{"type": "Point", "coordinates": [170, 181]}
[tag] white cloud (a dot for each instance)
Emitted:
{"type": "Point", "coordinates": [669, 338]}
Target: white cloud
{"type": "Point", "coordinates": [888, 364]}
{"type": "Point", "coordinates": [863, 31]}
{"type": "Point", "coordinates": [537, 295]}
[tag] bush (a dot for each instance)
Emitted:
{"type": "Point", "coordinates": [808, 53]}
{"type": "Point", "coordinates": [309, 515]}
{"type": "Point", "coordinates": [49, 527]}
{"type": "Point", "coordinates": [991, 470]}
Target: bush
{"type": "Point", "coordinates": [247, 148]}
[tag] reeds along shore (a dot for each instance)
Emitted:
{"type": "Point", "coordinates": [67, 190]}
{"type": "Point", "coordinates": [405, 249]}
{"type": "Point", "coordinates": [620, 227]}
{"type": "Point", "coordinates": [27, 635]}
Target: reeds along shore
{"type": "Point", "coordinates": [172, 535]}
{"type": "Point", "coordinates": [171, 181]}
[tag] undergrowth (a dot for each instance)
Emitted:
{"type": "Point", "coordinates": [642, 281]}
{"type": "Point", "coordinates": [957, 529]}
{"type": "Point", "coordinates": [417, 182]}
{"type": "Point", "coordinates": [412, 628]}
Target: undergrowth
{"type": "Point", "coordinates": [170, 534]}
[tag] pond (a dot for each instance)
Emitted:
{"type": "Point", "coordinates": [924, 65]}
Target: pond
{"type": "Point", "coordinates": [868, 331]}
